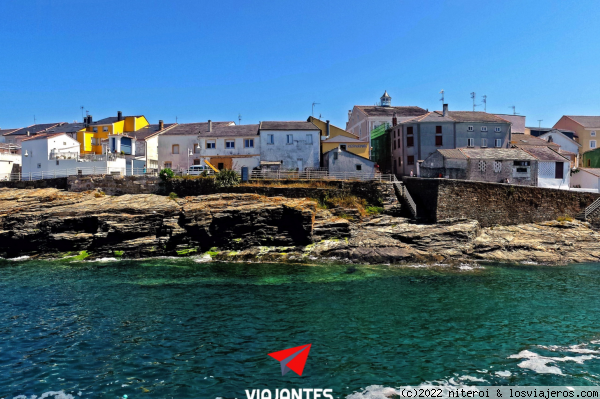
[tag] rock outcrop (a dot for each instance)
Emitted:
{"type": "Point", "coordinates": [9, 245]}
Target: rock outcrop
{"type": "Point", "coordinates": [250, 227]}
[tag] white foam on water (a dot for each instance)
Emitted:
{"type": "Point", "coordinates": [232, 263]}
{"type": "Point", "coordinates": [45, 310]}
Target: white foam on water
{"type": "Point", "coordinates": [18, 258]}
{"type": "Point", "coordinates": [504, 373]}
{"type": "Point", "coordinates": [573, 348]}
{"type": "Point", "coordinates": [49, 394]}
{"type": "Point", "coordinates": [104, 260]}
{"type": "Point", "coordinates": [203, 259]}
{"type": "Point", "coordinates": [471, 378]}
{"type": "Point", "coordinates": [381, 392]}
{"type": "Point", "coordinates": [539, 363]}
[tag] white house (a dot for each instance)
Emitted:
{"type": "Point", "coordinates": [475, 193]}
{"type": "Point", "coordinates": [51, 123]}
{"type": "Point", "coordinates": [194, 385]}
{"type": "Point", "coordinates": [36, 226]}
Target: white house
{"type": "Point", "coordinates": [10, 160]}
{"type": "Point", "coordinates": [294, 145]}
{"type": "Point", "coordinates": [56, 154]}
{"type": "Point", "coordinates": [146, 146]}
{"type": "Point", "coordinates": [568, 147]}
{"type": "Point", "coordinates": [18, 135]}
{"type": "Point", "coordinates": [586, 179]}
{"type": "Point", "coordinates": [554, 170]}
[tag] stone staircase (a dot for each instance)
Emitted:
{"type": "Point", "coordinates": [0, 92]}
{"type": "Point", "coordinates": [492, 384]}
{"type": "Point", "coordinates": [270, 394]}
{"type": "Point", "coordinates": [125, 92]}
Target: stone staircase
{"type": "Point", "coordinates": [405, 198]}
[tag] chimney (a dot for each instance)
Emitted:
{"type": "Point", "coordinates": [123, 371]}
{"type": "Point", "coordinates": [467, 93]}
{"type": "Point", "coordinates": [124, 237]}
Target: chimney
{"type": "Point", "coordinates": [328, 125]}
{"type": "Point", "coordinates": [28, 133]}
{"type": "Point", "coordinates": [161, 125]}
{"type": "Point", "coordinates": [89, 119]}
{"type": "Point", "coordinates": [209, 125]}
{"type": "Point", "coordinates": [119, 116]}
{"type": "Point", "coordinates": [349, 114]}
{"type": "Point", "coordinates": [445, 110]}
{"type": "Point", "coordinates": [395, 119]}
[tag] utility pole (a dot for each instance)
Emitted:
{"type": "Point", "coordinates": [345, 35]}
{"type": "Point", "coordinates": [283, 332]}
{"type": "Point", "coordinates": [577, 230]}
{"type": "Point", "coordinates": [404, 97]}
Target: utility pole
{"type": "Point", "coordinates": [473, 97]}
{"type": "Point", "coordinates": [540, 122]}
{"type": "Point", "coordinates": [313, 108]}
{"type": "Point", "coordinates": [484, 103]}
{"type": "Point", "coordinates": [442, 99]}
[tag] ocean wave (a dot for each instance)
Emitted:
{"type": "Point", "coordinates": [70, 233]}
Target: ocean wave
{"type": "Point", "coordinates": [539, 363]}
{"type": "Point", "coordinates": [19, 258]}
{"type": "Point", "coordinates": [49, 395]}
{"type": "Point", "coordinates": [447, 386]}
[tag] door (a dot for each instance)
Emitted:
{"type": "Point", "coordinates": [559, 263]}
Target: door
{"type": "Point", "coordinates": [300, 164]}
{"type": "Point", "coordinates": [559, 171]}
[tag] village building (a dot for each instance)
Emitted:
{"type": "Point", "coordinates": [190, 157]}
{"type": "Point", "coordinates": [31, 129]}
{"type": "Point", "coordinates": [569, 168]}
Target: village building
{"type": "Point", "coordinates": [341, 162]}
{"type": "Point", "coordinates": [417, 138]}
{"type": "Point", "coordinates": [517, 123]}
{"type": "Point", "coordinates": [586, 179]}
{"type": "Point", "coordinates": [144, 156]}
{"type": "Point", "coordinates": [333, 136]}
{"type": "Point", "coordinates": [49, 155]}
{"type": "Point", "coordinates": [10, 161]}
{"type": "Point", "coordinates": [586, 128]}
{"type": "Point", "coordinates": [292, 145]}
{"type": "Point", "coordinates": [93, 135]}
{"type": "Point", "coordinates": [538, 131]}
{"type": "Point", "coordinates": [568, 146]}
{"type": "Point", "coordinates": [554, 170]}
{"type": "Point", "coordinates": [362, 119]}
{"type": "Point", "coordinates": [18, 135]}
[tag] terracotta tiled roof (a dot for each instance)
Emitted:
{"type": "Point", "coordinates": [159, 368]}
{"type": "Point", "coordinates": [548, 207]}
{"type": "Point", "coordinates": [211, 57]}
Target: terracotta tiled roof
{"type": "Point", "coordinates": [589, 122]}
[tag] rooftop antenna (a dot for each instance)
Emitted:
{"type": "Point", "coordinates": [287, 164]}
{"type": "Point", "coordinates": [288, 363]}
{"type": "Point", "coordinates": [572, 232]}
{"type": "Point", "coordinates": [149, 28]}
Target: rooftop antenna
{"type": "Point", "coordinates": [34, 122]}
{"type": "Point", "coordinates": [313, 108]}
{"type": "Point", "coordinates": [540, 122]}
{"type": "Point", "coordinates": [82, 107]}
{"type": "Point", "coordinates": [175, 119]}
{"type": "Point", "coordinates": [473, 97]}
{"type": "Point", "coordinates": [442, 99]}
{"type": "Point", "coordinates": [484, 103]}
{"type": "Point", "coordinates": [514, 109]}
{"type": "Point", "coordinates": [240, 119]}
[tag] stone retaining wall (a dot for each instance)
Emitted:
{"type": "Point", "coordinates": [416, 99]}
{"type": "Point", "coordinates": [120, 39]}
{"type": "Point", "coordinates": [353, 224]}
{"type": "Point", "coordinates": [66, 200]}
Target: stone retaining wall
{"type": "Point", "coordinates": [440, 200]}
{"type": "Point", "coordinates": [59, 183]}
{"type": "Point", "coordinates": [114, 185]}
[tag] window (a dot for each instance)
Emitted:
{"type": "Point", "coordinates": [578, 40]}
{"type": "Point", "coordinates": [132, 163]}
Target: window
{"type": "Point", "coordinates": [410, 160]}
{"type": "Point", "coordinates": [196, 148]}
{"type": "Point", "coordinates": [589, 163]}
{"type": "Point", "coordinates": [249, 143]}
{"type": "Point", "coordinates": [270, 139]}
{"type": "Point", "coordinates": [592, 143]}
{"type": "Point", "coordinates": [196, 161]}
{"type": "Point", "coordinates": [484, 128]}
{"type": "Point", "coordinates": [358, 167]}
{"type": "Point", "coordinates": [210, 144]}
{"type": "Point", "coordinates": [229, 143]}
{"type": "Point", "coordinates": [343, 147]}
{"type": "Point", "coordinates": [399, 143]}
{"type": "Point", "coordinates": [335, 155]}
{"type": "Point", "coordinates": [309, 139]}
{"type": "Point", "coordinates": [39, 165]}
{"type": "Point", "coordinates": [409, 130]}
{"type": "Point", "coordinates": [105, 129]}
{"type": "Point", "coordinates": [438, 141]}
{"type": "Point", "coordinates": [290, 139]}
{"type": "Point", "coordinates": [394, 134]}
{"type": "Point", "coordinates": [95, 130]}
{"type": "Point", "coordinates": [482, 166]}
{"type": "Point", "coordinates": [497, 166]}
{"type": "Point", "coordinates": [559, 171]}
{"type": "Point", "coordinates": [470, 128]}
{"type": "Point", "coordinates": [498, 143]}
{"type": "Point", "coordinates": [521, 166]}
{"type": "Point", "coordinates": [497, 129]}
{"type": "Point", "coordinates": [484, 143]}
{"type": "Point", "coordinates": [593, 133]}
{"type": "Point", "coordinates": [470, 142]}
{"type": "Point", "coordinates": [400, 161]}
{"type": "Point", "coordinates": [394, 144]}
{"type": "Point", "coordinates": [410, 141]}
{"type": "Point", "coordinates": [175, 149]}
{"type": "Point", "coordinates": [438, 130]}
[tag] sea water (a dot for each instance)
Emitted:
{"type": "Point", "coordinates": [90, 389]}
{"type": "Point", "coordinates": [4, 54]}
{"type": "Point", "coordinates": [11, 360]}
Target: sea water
{"type": "Point", "coordinates": [182, 328]}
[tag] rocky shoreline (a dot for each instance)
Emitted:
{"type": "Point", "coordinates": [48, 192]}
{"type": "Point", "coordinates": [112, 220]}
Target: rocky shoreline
{"type": "Point", "coordinates": [253, 228]}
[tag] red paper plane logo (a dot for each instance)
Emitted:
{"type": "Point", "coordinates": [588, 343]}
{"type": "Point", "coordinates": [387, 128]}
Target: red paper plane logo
{"type": "Point", "coordinates": [292, 359]}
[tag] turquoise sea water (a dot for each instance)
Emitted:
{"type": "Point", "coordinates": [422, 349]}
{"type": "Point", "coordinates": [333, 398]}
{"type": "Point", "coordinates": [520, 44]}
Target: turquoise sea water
{"type": "Point", "coordinates": [177, 328]}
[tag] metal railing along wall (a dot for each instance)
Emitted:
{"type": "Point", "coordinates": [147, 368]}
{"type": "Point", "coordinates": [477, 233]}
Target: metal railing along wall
{"type": "Point", "coordinates": [76, 172]}
{"type": "Point", "coordinates": [319, 175]}
{"type": "Point", "coordinates": [592, 208]}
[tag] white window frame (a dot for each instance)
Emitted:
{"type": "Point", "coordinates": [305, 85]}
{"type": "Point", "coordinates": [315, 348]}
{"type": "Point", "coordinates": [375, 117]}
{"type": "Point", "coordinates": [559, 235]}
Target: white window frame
{"type": "Point", "coordinates": [289, 139]}
{"type": "Point", "coordinates": [229, 144]}
{"type": "Point", "coordinates": [105, 129]}
{"type": "Point", "coordinates": [483, 143]}
{"type": "Point", "coordinates": [309, 139]}
{"type": "Point", "coordinates": [497, 129]}
{"type": "Point", "coordinates": [173, 149]}
{"type": "Point", "coordinates": [211, 144]}
{"type": "Point", "coordinates": [470, 142]}
{"type": "Point", "coordinates": [169, 164]}
{"type": "Point", "coordinates": [248, 143]}
{"type": "Point", "coordinates": [498, 143]}
{"type": "Point", "coordinates": [270, 139]}
{"type": "Point", "coordinates": [95, 129]}
{"type": "Point", "coordinates": [484, 128]}
{"type": "Point", "coordinates": [593, 144]}
{"type": "Point", "coordinates": [593, 133]}
{"type": "Point", "coordinates": [470, 129]}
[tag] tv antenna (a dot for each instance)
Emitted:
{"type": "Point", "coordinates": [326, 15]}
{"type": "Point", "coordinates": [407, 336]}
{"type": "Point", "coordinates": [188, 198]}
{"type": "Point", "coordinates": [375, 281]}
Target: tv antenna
{"type": "Point", "coordinates": [313, 108]}
{"type": "Point", "coordinates": [82, 107]}
{"type": "Point", "coordinates": [34, 122]}
{"type": "Point", "coordinates": [540, 122]}
{"type": "Point", "coordinates": [442, 93]}
{"type": "Point", "coordinates": [240, 119]}
{"type": "Point", "coordinates": [484, 103]}
{"type": "Point", "coordinates": [514, 108]}
{"type": "Point", "coordinates": [473, 97]}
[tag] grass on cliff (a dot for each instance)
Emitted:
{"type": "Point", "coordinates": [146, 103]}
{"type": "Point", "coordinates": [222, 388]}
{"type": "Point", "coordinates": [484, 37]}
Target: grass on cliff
{"type": "Point", "coordinates": [565, 218]}
{"type": "Point", "coordinates": [349, 202]}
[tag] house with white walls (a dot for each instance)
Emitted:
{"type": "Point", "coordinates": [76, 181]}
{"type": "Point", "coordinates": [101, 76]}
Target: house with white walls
{"type": "Point", "coordinates": [49, 155]}
{"type": "Point", "coordinates": [290, 145]}
{"type": "Point", "coordinates": [568, 147]}
{"type": "Point", "coordinates": [145, 153]}
{"type": "Point", "coordinates": [10, 160]}
{"type": "Point", "coordinates": [586, 179]}
{"type": "Point", "coordinates": [17, 135]}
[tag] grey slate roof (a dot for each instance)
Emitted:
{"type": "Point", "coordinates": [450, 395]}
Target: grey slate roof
{"type": "Point", "coordinates": [185, 129]}
{"type": "Point", "coordinates": [452, 154]}
{"type": "Point", "coordinates": [343, 139]}
{"type": "Point", "coordinates": [348, 152]}
{"type": "Point", "coordinates": [112, 119]}
{"type": "Point", "coordinates": [43, 136]}
{"type": "Point", "coordinates": [67, 128]}
{"type": "Point", "coordinates": [147, 131]}
{"type": "Point", "coordinates": [287, 125]}
{"type": "Point", "coordinates": [470, 116]}
{"type": "Point", "coordinates": [232, 131]}
{"type": "Point", "coordinates": [525, 140]}
{"type": "Point", "coordinates": [543, 153]}
{"type": "Point", "coordinates": [516, 154]}
{"type": "Point", "coordinates": [33, 129]}
{"type": "Point", "coordinates": [586, 121]}
{"type": "Point", "coordinates": [6, 131]}
{"type": "Point", "coordinates": [408, 111]}
{"type": "Point", "coordinates": [518, 122]}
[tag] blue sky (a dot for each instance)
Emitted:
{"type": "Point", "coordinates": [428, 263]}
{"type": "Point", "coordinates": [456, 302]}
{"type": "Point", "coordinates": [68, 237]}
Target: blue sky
{"type": "Point", "coordinates": [199, 60]}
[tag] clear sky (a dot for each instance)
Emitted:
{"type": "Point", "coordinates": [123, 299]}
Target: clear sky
{"type": "Point", "coordinates": [199, 60]}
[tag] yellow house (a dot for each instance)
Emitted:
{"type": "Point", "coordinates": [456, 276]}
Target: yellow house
{"type": "Point", "coordinates": [334, 137]}
{"type": "Point", "coordinates": [91, 137]}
